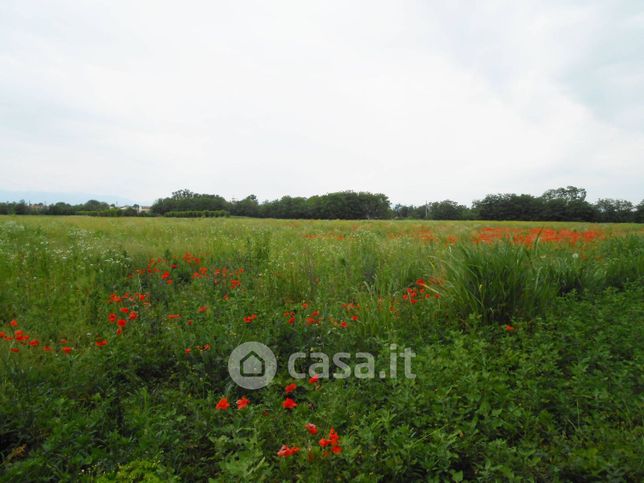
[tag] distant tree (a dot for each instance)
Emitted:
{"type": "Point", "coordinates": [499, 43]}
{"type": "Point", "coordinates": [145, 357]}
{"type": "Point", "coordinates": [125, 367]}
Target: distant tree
{"type": "Point", "coordinates": [249, 206]}
{"type": "Point", "coordinates": [568, 194]}
{"type": "Point", "coordinates": [186, 200]}
{"type": "Point", "coordinates": [615, 211]}
{"type": "Point", "coordinates": [567, 204]}
{"type": "Point", "coordinates": [93, 205]}
{"type": "Point", "coordinates": [639, 212]}
{"type": "Point", "coordinates": [375, 205]}
{"type": "Point", "coordinates": [446, 210]}
{"type": "Point", "coordinates": [508, 206]}
{"type": "Point", "coordinates": [402, 211]}
{"type": "Point", "coordinates": [184, 194]}
{"type": "Point", "coordinates": [286, 207]}
{"type": "Point", "coordinates": [21, 208]}
{"type": "Point", "coordinates": [61, 208]}
{"type": "Point", "coordinates": [349, 205]}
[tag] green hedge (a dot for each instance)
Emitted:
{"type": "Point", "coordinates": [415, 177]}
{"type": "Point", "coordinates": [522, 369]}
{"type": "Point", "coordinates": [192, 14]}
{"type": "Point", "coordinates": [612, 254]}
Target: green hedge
{"type": "Point", "coordinates": [198, 214]}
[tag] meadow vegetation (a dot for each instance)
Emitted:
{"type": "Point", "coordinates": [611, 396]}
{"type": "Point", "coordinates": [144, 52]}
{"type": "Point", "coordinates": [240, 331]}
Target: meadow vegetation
{"type": "Point", "coordinates": [115, 335]}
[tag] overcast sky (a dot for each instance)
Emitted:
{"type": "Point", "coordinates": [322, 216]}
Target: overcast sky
{"type": "Point", "coordinates": [420, 100]}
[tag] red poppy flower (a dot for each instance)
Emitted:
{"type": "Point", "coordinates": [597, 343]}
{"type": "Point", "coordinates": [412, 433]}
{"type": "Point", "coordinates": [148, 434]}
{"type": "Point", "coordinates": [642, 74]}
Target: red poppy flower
{"type": "Point", "coordinates": [121, 323]}
{"type": "Point", "coordinates": [508, 328]}
{"type": "Point", "coordinates": [112, 318]}
{"type": "Point", "coordinates": [125, 310]}
{"type": "Point", "coordinates": [67, 350]}
{"type": "Point", "coordinates": [202, 309]}
{"type": "Point", "coordinates": [222, 405]}
{"type": "Point", "coordinates": [15, 349]}
{"type": "Point", "coordinates": [311, 428]}
{"type": "Point", "coordinates": [174, 316]}
{"type": "Point", "coordinates": [314, 379]}
{"type": "Point", "coordinates": [290, 388]}
{"type": "Point", "coordinates": [13, 323]}
{"type": "Point", "coordinates": [47, 348]}
{"type": "Point", "coordinates": [34, 343]}
{"type": "Point", "coordinates": [188, 351]}
{"type": "Point", "coordinates": [285, 451]}
{"type": "Point", "coordinates": [243, 402]}
{"type": "Point", "coordinates": [289, 403]}
{"type": "Point", "coordinates": [333, 440]}
{"type": "Point", "coordinates": [133, 315]}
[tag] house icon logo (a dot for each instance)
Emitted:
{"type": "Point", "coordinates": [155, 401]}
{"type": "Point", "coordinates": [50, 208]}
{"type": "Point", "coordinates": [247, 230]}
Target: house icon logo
{"type": "Point", "coordinates": [252, 365]}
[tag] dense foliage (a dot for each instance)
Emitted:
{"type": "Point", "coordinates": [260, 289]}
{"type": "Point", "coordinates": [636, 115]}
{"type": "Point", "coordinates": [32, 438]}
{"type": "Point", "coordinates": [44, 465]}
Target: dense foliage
{"type": "Point", "coordinates": [115, 335]}
{"type": "Point", "coordinates": [345, 205]}
{"type": "Point", "coordinates": [197, 214]}
{"type": "Point", "coordinates": [90, 208]}
{"type": "Point", "coordinates": [561, 204]}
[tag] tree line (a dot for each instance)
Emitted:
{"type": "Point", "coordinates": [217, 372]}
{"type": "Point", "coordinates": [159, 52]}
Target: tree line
{"type": "Point", "coordinates": [91, 208]}
{"type": "Point", "coordinates": [344, 205]}
{"type": "Point", "coordinates": [560, 204]}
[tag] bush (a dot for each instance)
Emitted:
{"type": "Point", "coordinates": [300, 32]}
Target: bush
{"type": "Point", "coordinates": [198, 214]}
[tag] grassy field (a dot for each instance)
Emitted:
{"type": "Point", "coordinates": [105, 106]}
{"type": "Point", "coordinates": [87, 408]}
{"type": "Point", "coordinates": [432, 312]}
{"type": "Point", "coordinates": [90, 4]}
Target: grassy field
{"type": "Point", "coordinates": [115, 336]}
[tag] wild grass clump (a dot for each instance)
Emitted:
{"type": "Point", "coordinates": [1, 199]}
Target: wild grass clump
{"type": "Point", "coordinates": [497, 282]}
{"type": "Point", "coordinates": [623, 260]}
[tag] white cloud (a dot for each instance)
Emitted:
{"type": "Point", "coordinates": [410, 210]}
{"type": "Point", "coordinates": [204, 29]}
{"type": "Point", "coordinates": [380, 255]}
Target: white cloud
{"type": "Point", "coordinates": [419, 100]}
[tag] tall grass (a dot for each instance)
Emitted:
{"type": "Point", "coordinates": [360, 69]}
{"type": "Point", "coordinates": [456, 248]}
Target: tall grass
{"type": "Point", "coordinates": [501, 281]}
{"type": "Point", "coordinates": [497, 282]}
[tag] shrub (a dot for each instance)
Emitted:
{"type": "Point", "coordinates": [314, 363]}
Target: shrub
{"type": "Point", "coordinates": [198, 214]}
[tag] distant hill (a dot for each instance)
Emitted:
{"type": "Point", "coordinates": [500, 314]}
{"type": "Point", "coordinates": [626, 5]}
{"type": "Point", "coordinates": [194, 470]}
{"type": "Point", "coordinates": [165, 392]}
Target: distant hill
{"type": "Point", "coordinates": [71, 198]}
